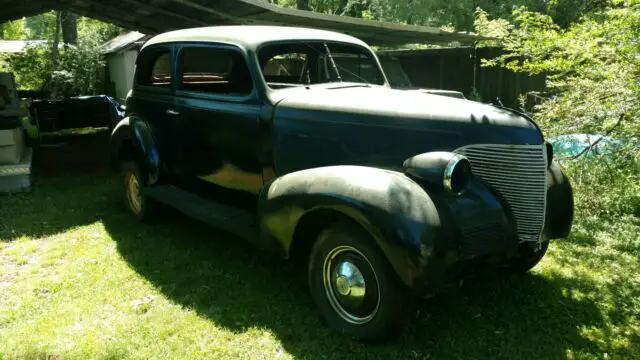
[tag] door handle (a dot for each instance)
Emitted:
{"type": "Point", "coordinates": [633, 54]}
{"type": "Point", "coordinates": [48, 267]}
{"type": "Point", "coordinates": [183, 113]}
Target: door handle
{"type": "Point", "coordinates": [172, 112]}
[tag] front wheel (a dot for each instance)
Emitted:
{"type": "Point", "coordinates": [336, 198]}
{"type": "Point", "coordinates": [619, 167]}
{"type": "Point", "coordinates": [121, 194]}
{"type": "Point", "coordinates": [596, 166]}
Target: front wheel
{"type": "Point", "coordinates": [529, 256]}
{"type": "Point", "coordinates": [354, 287]}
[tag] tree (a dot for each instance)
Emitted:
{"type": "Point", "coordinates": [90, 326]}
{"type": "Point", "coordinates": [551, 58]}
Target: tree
{"type": "Point", "coordinates": [69, 27]}
{"type": "Point", "coordinates": [592, 68]}
{"type": "Point", "coordinates": [75, 69]}
{"type": "Point", "coordinates": [13, 30]}
{"type": "Point", "coordinates": [55, 49]}
{"type": "Point", "coordinates": [457, 14]}
{"type": "Point", "coordinates": [303, 4]}
{"type": "Point", "coordinates": [41, 26]}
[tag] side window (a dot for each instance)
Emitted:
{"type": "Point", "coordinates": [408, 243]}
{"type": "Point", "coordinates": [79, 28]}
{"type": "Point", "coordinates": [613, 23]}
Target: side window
{"type": "Point", "coordinates": [214, 71]}
{"type": "Point", "coordinates": [155, 69]}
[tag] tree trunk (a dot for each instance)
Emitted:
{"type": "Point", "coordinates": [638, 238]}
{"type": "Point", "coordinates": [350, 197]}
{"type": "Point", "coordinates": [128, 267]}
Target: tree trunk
{"type": "Point", "coordinates": [303, 4]}
{"type": "Point", "coordinates": [55, 52]}
{"type": "Point", "coordinates": [69, 27]}
{"type": "Point", "coordinates": [342, 7]}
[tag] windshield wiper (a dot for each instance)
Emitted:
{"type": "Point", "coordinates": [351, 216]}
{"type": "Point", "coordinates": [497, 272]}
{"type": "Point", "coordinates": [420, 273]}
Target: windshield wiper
{"type": "Point", "coordinates": [333, 63]}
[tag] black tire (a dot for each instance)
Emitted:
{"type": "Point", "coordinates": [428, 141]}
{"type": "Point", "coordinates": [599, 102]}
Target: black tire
{"type": "Point", "coordinates": [528, 257]}
{"type": "Point", "coordinates": [386, 306]}
{"type": "Point", "coordinates": [147, 208]}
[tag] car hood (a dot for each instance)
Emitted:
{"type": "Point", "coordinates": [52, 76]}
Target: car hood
{"type": "Point", "coordinates": [449, 93]}
{"type": "Point", "coordinates": [378, 126]}
{"type": "Point", "coordinates": [373, 106]}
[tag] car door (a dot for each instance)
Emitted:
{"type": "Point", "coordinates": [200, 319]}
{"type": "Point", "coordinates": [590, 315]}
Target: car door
{"type": "Point", "coordinates": [220, 113]}
{"type": "Point", "coordinates": [153, 103]}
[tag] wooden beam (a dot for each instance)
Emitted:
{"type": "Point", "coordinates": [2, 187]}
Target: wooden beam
{"type": "Point", "coordinates": [21, 10]}
{"type": "Point", "coordinates": [117, 16]}
{"type": "Point", "coordinates": [219, 12]}
{"type": "Point", "coordinates": [210, 10]}
{"type": "Point", "coordinates": [356, 25]}
{"type": "Point", "coordinates": [115, 21]}
{"type": "Point", "coordinates": [166, 12]}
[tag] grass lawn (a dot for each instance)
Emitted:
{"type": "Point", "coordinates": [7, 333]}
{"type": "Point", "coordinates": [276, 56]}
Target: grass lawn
{"type": "Point", "coordinates": [79, 278]}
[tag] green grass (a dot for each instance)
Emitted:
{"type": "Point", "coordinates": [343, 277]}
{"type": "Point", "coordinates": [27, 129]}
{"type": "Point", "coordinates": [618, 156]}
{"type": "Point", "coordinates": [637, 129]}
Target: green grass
{"type": "Point", "coordinates": [79, 278]}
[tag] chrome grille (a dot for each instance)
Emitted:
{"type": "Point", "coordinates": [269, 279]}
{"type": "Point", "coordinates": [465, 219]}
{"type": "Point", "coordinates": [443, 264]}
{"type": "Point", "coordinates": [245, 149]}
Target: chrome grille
{"type": "Point", "coordinates": [519, 174]}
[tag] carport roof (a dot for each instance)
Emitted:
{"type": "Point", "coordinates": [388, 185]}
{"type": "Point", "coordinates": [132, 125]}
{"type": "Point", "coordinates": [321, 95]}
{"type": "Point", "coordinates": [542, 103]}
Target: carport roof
{"type": "Point", "coordinates": [157, 16]}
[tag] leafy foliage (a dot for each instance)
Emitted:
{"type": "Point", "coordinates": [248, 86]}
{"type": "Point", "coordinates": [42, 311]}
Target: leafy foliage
{"type": "Point", "coordinates": [593, 68]}
{"type": "Point", "coordinates": [497, 29]}
{"type": "Point", "coordinates": [31, 67]}
{"type": "Point", "coordinates": [457, 14]}
{"type": "Point", "coordinates": [41, 26]}
{"type": "Point", "coordinates": [13, 30]}
{"type": "Point", "coordinates": [607, 187]}
{"type": "Point", "coordinates": [80, 69]}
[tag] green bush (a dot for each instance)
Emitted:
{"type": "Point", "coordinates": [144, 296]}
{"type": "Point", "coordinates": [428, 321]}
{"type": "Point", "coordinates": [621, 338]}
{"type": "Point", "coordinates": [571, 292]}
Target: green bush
{"type": "Point", "coordinates": [606, 187]}
{"type": "Point", "coordinates": [81, 67]}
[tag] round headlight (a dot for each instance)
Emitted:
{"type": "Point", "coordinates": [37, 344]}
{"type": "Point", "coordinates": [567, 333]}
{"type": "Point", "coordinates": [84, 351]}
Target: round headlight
{"type": "Point", "coordinates": [457, 174]}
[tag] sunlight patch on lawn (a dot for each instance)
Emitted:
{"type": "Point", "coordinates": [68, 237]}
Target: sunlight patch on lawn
{"type": "Point", "coordinates": [85, 301]}
{"type": "Point", "coordinates": [79, 278]}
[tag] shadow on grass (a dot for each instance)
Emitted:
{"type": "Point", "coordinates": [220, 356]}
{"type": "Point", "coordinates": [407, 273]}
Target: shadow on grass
{"type": "Point", "coordinates": [237, 287]}
{"type": "Point", "coordinates": [59, 205]}
{"type": "Point", "coordinates": [71, 188]}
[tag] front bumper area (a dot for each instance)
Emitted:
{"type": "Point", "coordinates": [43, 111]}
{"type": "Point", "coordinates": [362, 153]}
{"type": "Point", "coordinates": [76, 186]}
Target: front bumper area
{"type": "Point", "coordinates": [478, 229]}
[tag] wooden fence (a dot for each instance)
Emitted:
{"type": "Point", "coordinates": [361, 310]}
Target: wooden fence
{"type": "Point", "coordinates": [460, 69]}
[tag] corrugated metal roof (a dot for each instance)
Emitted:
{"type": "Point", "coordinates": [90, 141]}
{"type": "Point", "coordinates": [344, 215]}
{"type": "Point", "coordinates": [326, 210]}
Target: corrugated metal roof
{"type": "Point", "coordinates": [122, 42]}
{"type": "Point", "coordinates": [157, 16]}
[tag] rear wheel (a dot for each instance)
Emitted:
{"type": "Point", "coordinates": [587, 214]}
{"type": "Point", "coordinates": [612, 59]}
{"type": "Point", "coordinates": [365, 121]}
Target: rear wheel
{"type": "Point", "coordinates": [529, 256]}
{"type": "Point", "coordinates": [140, 205]}
{"type": "Point", "coordinates": [354, 287]}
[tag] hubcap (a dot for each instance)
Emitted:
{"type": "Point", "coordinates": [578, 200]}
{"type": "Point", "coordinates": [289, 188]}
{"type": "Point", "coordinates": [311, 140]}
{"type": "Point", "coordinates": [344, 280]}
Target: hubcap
{"type": "Point", "coordinates": [351, 285]}
{"type": "Point", "coordinates": [132, 187]}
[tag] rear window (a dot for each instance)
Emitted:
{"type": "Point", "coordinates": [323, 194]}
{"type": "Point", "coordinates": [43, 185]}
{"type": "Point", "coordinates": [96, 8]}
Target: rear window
{"type": "Point", "coordinates": [154, 69]}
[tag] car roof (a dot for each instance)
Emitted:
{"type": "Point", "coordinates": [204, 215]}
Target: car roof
{"type": "Point", "coordinates": [251, 36]}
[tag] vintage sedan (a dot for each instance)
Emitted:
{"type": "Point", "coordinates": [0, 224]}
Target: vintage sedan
{"type": "Point", "coordinates": [292, 139]}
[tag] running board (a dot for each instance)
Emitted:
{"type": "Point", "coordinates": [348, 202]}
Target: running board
{"type": "Point", "coordinates": [236, 221]}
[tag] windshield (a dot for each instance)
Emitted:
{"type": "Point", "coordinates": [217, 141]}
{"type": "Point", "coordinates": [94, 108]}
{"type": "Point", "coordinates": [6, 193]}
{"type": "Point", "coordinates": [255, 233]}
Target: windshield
{"type": "Point", "coordinates": [398, 79]}
{"type": "Point", "coordinates": [306, 63]}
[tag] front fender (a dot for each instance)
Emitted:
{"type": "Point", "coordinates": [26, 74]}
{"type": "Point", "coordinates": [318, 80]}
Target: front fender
{"type": "Point", "coordinates": [560, 208]}
{"type": "Point", "coordinates": [400, 216]}
{"type": "Point", "coordinates": [138, 133]}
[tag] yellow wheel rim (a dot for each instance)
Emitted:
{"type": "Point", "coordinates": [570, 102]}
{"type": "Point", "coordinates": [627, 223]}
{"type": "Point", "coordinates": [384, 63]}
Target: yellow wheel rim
{"type": "Point", "coordinates": [134, 197]}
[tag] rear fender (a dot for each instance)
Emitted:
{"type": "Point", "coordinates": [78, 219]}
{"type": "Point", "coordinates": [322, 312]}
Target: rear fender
{"type": "Point", "coordinates": [136, 131]}
{"type": "Point", "coordinates": [398, 214]}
